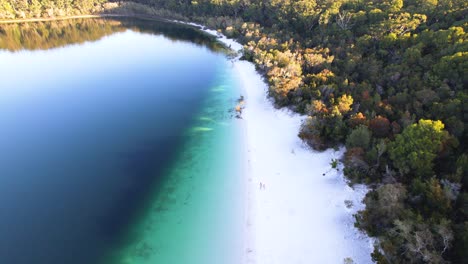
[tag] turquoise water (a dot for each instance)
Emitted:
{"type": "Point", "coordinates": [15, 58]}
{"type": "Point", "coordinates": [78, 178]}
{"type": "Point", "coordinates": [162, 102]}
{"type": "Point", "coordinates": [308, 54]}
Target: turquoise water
{"type": "Point", "coordinates": [117, 145]}
{"type": "Point", "coordinates": [197, 215]}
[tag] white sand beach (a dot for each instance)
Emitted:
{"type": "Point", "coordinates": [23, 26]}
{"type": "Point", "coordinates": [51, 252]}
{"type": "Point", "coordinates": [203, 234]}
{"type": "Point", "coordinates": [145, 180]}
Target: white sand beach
{"type": "Point", "coordinates": [295, 214]}
{"type": "Point", "coordinates": [299, 215]}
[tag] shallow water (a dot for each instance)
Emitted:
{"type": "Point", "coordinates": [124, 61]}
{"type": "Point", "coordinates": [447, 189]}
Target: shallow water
{"type": "Point", "coordinates": [196, 216]}
{"type": "Point", "coordinates": [117, 145]}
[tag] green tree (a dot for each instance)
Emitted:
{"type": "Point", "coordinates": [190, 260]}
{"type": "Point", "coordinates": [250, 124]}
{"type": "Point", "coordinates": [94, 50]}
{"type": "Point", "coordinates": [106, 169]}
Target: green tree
{"type": "Point", "coordinates": [415, 149]}
{"type": "Point", "coordinates": [359, 138]}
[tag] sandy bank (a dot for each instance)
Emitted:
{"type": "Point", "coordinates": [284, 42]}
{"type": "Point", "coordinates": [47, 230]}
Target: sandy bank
{"type": "Point", "coordinates": [294, 213]}
{"type": "Point", "coordinates": [299, 215]}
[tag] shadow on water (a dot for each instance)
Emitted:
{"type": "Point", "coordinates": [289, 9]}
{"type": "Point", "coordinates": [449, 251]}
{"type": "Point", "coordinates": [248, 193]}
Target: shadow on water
{"type": "Point", "coordinates": [147, 167]}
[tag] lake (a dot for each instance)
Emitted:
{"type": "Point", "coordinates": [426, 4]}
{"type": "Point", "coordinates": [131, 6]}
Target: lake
{"type": "Point", "coordinates": [118, 144]}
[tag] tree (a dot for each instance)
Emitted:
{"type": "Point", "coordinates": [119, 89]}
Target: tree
{"type": "Point", "coordinates": [383, 206]}
{"type": "Point", "coordinates": [359, 138]}
{"type": "Point", "coordinates": [343, 20]}
{"type": "Point", "coordinates": [344, 103]}
{"type": "Point", "coordinates": [357, 119]}
{"type": "Point", "coordinates": [415, 149]}
{"type": "Point", "coordinates": [6, 10]}
{"type": "Point", "coordinates": [380, 126]}
{"type": "Point", "coordinates": [432, 200]}
{"type": "Point", "coordinates": [422, 242]}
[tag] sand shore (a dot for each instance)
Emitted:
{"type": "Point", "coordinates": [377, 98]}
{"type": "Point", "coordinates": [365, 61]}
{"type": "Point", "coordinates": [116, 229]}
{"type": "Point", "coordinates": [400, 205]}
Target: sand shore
{"type": "Point", "coordinates": [295, 214]}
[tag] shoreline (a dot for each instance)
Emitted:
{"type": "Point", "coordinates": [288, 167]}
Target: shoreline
{"type": "Point", "coordinates": [249, 199]}
{"type": "Point", "coordinates": [301, 217]}
{"type": "Point", "coordinates": [280, 221]}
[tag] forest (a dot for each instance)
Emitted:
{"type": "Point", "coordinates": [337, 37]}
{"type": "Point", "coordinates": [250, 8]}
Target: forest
{"type": "Point", "coordinates": [386, 78]}
{"type": "Point", "coordinates": [15, 9]}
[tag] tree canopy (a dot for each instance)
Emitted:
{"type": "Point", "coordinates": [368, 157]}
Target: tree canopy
{"type": "Point", "coordinates": [415, 149]}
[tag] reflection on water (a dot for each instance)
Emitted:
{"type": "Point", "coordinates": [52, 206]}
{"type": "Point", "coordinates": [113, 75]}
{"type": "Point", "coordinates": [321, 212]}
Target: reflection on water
{"type": "Point", "coordinates": [48, 35]}
{"type": "Point", "coordinates": [53, 34]}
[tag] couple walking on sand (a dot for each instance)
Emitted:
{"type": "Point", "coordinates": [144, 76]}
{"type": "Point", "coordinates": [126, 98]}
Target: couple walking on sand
{"type": "Point", "coordinates": [262, 186]}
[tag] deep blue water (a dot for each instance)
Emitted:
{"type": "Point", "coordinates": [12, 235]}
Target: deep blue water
{"type": "Point", "coordinates": [88, 128]}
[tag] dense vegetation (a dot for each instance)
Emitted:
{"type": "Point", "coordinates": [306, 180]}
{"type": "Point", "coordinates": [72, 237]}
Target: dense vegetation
{"type": "Point", "coordinates": [10, 9]}
{"type": "Point", "coordinates": [386, 78]}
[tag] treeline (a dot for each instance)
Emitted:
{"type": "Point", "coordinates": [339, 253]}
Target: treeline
{"type": "Point", "coordinates": [386, 78]}
{"type": "Point", "coordinates": [15, 9]}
